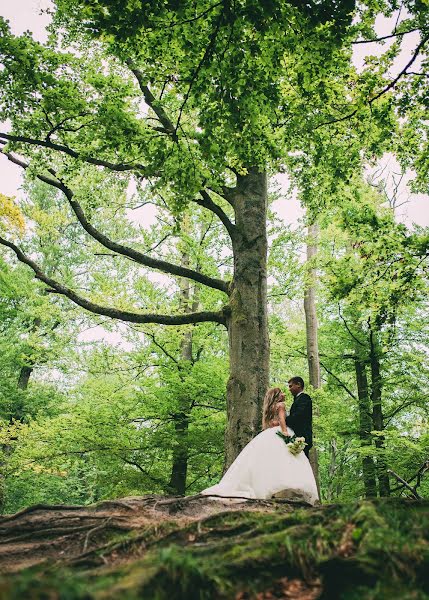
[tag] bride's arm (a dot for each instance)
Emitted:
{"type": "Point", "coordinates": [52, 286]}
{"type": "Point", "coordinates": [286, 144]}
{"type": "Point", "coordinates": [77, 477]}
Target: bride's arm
{"type": "Point", "coordinates": [281, 413]}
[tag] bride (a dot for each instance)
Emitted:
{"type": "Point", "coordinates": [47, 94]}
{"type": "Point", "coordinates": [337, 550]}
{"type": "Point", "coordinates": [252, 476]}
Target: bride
{"type": "Point", "coordinates": [265, 467]}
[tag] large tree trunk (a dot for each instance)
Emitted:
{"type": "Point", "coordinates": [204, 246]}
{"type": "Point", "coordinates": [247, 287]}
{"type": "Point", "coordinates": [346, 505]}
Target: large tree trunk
{"type": "Point", "coordinates": [377, 415]}
{"type": "Point", "coordinates": [311, 330]}
{"type": "Point", "coordinates": [368, 466]}
{"type": "Point", "coordinates": [247, 321]}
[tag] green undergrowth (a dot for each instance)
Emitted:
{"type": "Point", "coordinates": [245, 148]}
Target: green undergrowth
{"type": "Point", "coordinates": [365, 551]}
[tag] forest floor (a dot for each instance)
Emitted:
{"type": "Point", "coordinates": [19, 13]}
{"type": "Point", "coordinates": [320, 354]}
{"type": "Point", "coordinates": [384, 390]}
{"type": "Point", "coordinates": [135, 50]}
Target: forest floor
{"type": "Point", "coordinates": [196, 548]}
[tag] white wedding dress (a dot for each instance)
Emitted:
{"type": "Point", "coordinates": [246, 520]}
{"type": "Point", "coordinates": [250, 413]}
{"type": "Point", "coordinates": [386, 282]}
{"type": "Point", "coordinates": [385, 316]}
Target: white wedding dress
{"type": "Point", "coordinates": [265, 467]}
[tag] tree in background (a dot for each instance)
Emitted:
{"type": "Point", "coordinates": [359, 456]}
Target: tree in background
{"type": "Point", "coordinates": [230, 92]}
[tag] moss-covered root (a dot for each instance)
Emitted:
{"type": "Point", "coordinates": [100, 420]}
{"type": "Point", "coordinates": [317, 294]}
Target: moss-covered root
{"type": "Point", "coordinates": [366, 551]}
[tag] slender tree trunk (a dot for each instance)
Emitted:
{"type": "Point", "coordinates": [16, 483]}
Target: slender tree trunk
{"type": "Point", "coordinates": [368, 466]}
{"type": "Point", "coordinates": [179, 467]}
{"type": "Point", "coordinates": [22, 384]}
{"type": "Point", "coordinates": [247, 319]}
{"type": "Point", "coordinates": [310, 309]}
{"type": "Point", "coordinates": [24, 376]}
{"type": "Point", "coordinates": [311, 331]}
{"type": "Point", "coordinates": [17, 414]}
{"type": "Point", "coordinates": [377, 415]}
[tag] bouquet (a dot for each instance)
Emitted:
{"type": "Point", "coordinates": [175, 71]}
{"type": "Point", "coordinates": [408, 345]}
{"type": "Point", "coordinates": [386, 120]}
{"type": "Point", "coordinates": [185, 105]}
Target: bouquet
{"type": "Point", "coordinates": [295, 444]}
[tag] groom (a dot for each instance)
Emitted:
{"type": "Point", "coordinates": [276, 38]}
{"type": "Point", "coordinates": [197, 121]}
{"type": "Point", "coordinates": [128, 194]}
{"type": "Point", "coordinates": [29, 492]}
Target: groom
{"type": "Point", "coordinates": [300, 417]}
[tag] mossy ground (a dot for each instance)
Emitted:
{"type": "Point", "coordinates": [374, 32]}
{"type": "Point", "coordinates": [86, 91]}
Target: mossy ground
{"type": "Point", "coordinates": [365, 551]}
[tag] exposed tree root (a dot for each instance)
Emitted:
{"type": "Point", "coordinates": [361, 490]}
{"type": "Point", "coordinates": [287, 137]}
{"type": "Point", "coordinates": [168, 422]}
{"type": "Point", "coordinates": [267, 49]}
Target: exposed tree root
{"type": "Point", "coordinates": [197, 548]}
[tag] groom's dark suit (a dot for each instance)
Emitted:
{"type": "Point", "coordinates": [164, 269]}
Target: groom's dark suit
{"type": "Point", "coordinates": [300, 418]}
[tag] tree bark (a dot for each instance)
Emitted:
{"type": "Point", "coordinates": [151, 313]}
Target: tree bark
{"type": "Point", "coordinates": [179, 467]}
{"type": "Point", "coordinates": [247, 320]}
{"type": "Point", "coordinates": [377, 415]}
{"type": "Point", "coordinates": [311, 331]}
{"type": "Point", "coordinates": [24, 377]}
{"type": "Point", "coordinates": [310, 309]}
{"type": "Point", "coordinates": [364, 404]}
{"type": "Point", "coordinates": [17, 415]}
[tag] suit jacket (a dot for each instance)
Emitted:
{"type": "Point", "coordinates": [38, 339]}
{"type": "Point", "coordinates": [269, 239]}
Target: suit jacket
{"type": "Point", "coordinates": [300, 418]}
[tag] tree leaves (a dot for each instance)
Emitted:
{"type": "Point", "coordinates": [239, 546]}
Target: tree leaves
{"type": "Point", "coordinates": [11, 217]}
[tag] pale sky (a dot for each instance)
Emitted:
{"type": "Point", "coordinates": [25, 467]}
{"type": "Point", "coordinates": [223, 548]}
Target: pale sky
{"type": "Point", "coordinates": [28, 15]}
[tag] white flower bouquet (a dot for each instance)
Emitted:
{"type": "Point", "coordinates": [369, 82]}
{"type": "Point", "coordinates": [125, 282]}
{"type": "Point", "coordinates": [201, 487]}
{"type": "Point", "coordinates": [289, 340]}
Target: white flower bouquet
{"type": "Point", "coordinates": [295, 444]}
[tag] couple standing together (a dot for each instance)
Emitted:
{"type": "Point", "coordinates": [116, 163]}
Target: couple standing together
{"type": "Point", "coordinates": [267, 467]}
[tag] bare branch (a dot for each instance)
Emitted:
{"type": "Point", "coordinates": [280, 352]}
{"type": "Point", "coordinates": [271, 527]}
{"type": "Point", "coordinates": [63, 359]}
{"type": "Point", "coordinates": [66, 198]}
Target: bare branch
{"type": "Point", "coordinates": [418, 74]}
{"type": "Point", "coordinates": [388, 87]}
{"type": "Point", "coordinates": [135, 255]}
{"type": "Point", "coordinates": [208, 51]}
{"type": "Point", "coordinates": [405, 484]}
{"type": "Point", "coordinates": [348, 329]}
{"type": "Point", "coordinates": [121, 167]}
{"type": "Point", "coordinates": [133, 463]}
{"type": "Point", "coordinates": [403, 72]}
{"type": "Point", "coordinates": [60, 125]}
{"type": "Point", "coordinates": [152, 102]}
{"type": "Point", "coordinates": [401, 407]}
{"type": "Point", "coordinates": [340, 383]}
{"type": "Point", "coordinates": [114, 313]}
{"type": "Point", "coordinates": [207, 202]}
{"type": "Point", "coordinates": [386, 37]}
{"type": "Point", "coordinates": [161, 347]}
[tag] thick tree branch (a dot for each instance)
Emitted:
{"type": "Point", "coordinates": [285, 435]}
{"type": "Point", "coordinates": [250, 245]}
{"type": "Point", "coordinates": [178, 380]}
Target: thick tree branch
{"type": "Point", "coordinates": [228, 194]}
{"type": "Point", "coordinates": [134, 255]}
{"type": "Point", "coordinates": [73, 153]}
{"type": "Point", "coordinates": [114, 313]}
{"type": "Point", "coordinates": [167, 123]}
{"type": "Point", "coordinates": [152, 102]}
{"type": "Point", "coordinates": [207, 202]}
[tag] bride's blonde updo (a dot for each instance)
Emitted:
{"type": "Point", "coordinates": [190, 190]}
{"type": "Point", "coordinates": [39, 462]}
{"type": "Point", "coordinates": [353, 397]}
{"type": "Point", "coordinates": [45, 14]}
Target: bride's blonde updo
{"type": "Point", "coordinates": [269, 411]}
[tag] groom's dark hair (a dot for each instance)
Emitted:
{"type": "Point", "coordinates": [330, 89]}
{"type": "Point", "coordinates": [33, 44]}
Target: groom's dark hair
{"type": "Point", "coordinates": [297, 380]}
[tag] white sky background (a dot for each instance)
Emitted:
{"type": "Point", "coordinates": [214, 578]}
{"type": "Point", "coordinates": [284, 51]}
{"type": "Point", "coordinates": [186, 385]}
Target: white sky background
{"type": "Point", "coordinates": [28, 15]}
